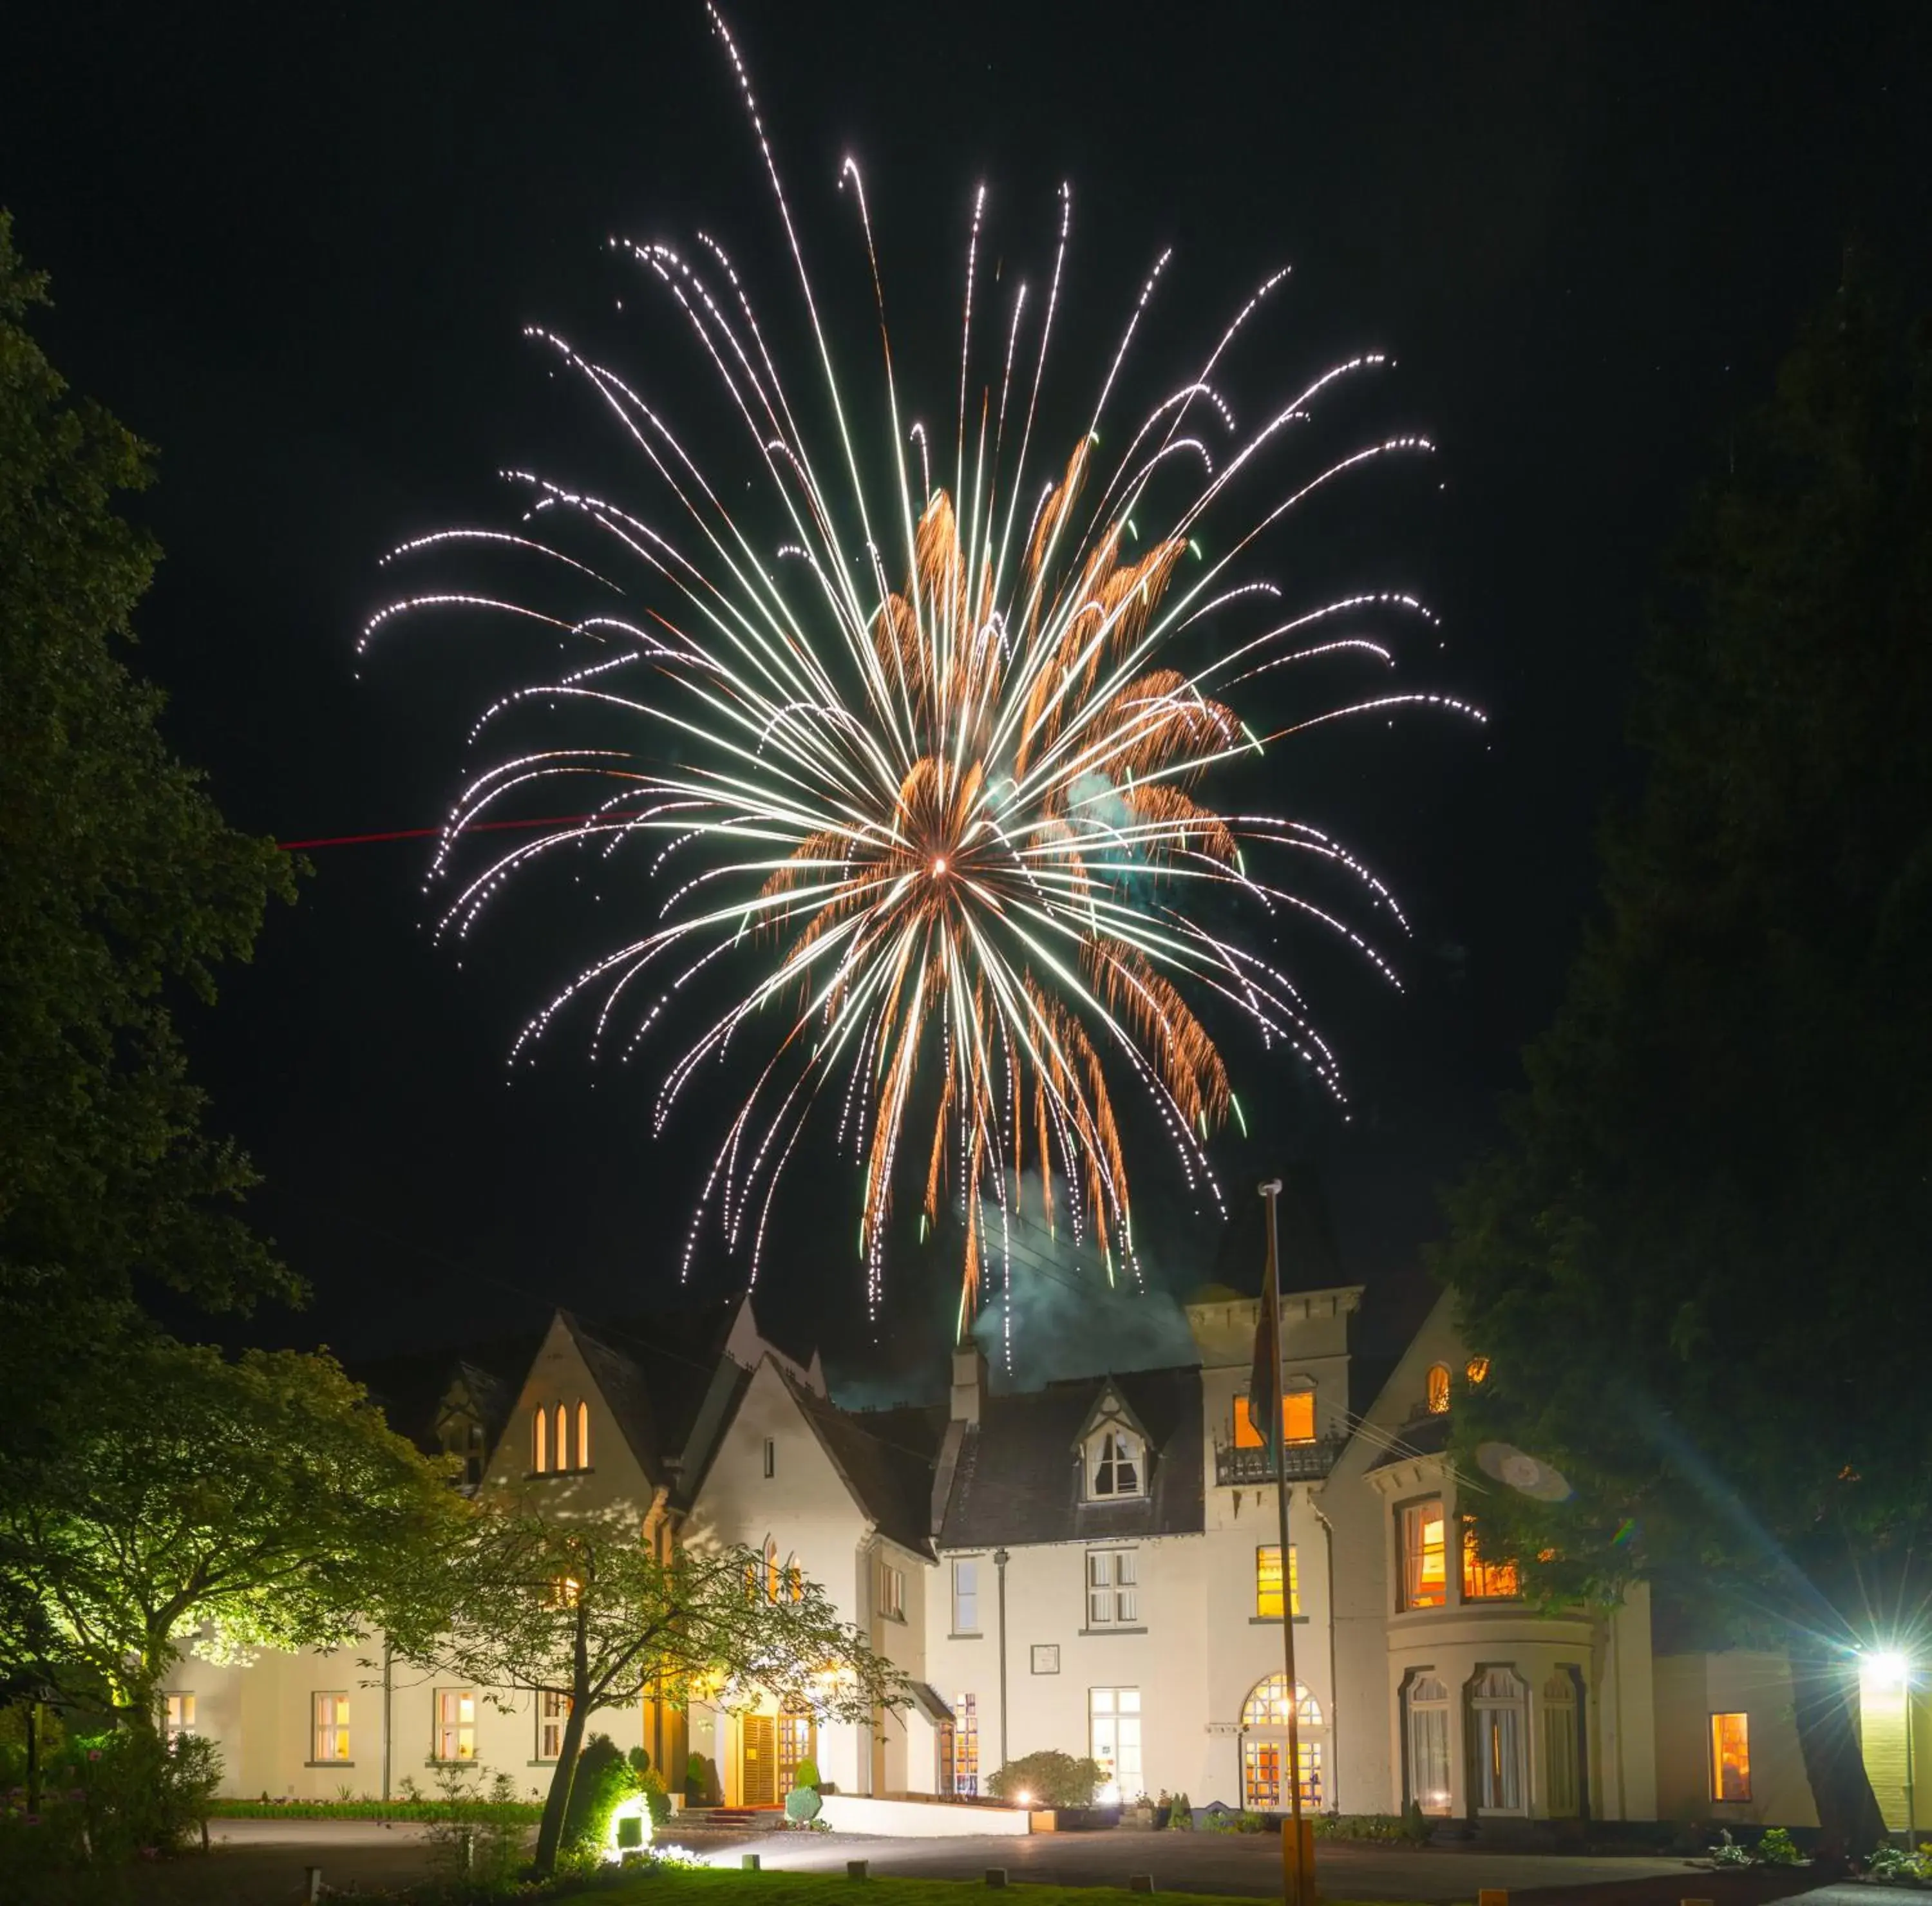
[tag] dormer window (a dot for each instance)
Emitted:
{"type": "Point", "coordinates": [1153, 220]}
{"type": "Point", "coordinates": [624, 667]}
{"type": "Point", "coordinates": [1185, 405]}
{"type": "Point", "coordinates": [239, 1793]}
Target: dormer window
{"type": "Point", "coordinates": [1116, 1465]}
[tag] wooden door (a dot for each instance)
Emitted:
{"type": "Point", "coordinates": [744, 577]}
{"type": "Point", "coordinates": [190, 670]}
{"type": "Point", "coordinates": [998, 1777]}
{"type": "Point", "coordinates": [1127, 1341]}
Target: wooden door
{"type": "Point", "coordinates": [797, 1741]}
{"type": "Point", "coordinates": [759, 1786]}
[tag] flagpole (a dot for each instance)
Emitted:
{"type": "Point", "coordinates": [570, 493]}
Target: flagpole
{"type": "Point", "coordinates": [1298, 1877]}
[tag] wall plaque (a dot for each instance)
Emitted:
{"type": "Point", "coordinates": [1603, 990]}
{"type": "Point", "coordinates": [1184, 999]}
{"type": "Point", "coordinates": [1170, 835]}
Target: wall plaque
{"type": "Point", "coordinates": [1046, 1657]}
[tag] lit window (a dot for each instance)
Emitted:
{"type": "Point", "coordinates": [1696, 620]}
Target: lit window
{"type": "Point", "coordinates": [1113, 1734]}
{"type": "Point", "coordinates": [583, 1436]}
{"type": "Point", "coordinates": [1484, 1580]}
{"type": "Point", "coordinates": [1499, 1703]}
{"type": "Point", "coordinates": [540, 1439]}
{"type": "Point", "coordinates": [965, 1744]}
{"type": "Point", "coordinates": [1478, 1370]}
{"type": "Point", "coordinates": [892, 1592]}
{"type": "Point", "coordinates": [1267, 1580]}
{"type": "Point", "coordinates": [1116, 1464]}
{"type": "Point", "coordinates": [455, 1724]}
{"type": "Point", "coordinates": [794, 1581]}
{"type": "Point", "coordinates": [773, 1575]}
{"type": "Point", "coordinates": [1438, 1388]}
{"type": "Point", "coordinates": [553, 1710]}
{"type": "Point", "coordinates": [1297, 1420]}
{"type": "Point", "coordinates": [1112, 1591]}
{"type": "Point", "coordinates": [1264, 1750]}
{"type": "Point", "coordinates": [565, 1591]}
{"type": "Point", "coordinates": [331, 1727]}
{"type": "Point", "coordinates": [1429, 1744]}
{"type": "Point", "coordinates": [177, 1717]}
{"type": "Point", "coordinates": [1730, 1756]}
{"type": "Point", "coordinates": [1423, 1579]}
{"type": "Point", "coordinates": [563, 1437]}
{"type": "Point", "coordinates": [966, 1596]}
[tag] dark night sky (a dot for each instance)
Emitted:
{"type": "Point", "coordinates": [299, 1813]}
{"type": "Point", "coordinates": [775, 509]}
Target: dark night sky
{"type": "Point", "coordinates": [295, 248]}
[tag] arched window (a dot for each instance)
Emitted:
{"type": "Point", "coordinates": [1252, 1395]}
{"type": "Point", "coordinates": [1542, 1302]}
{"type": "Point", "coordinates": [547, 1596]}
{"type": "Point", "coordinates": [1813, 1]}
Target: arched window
{"type": "Point", "coordinates": [1264, 1744]}
{"type": "Point", "coordinates": [1438, 1388]}
{"type": "Point", "coordinates": [1560, 1756]}
{"type": "Point", "coordinates": [1429, 1745]}
{"type": "Point", "coordinates": [540, 1439]}
{"type": "Point", "coordinates": [773, 1576]}
{"type": "Point", "coordinates": [1497, 1700]}
{"type": "Point", "coordinates": [583, 1436]}
{"type": "Point", "coordinates": [563, 1437]}
{"type": "Point", "coordinates": [1116, 1467]}
{"type": "Point", "coordinates": [1478, 1370]}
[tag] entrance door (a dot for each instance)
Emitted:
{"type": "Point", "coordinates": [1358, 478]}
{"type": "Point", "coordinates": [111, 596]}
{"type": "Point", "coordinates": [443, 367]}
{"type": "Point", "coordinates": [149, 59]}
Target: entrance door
{"type": "Point", "coordinates": [797, 1741]}
{"type": "Point", "coordinates": [759, 1786]}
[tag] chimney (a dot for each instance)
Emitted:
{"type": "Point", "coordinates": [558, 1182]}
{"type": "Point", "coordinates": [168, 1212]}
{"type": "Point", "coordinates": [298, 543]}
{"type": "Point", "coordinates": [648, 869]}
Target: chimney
{"type": "Point", "coordinates": [969, 1383]}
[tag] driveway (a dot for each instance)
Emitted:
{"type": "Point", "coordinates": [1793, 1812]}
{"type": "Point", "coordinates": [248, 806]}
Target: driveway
{"type": "Point", "coordinates": [1241, 1865]}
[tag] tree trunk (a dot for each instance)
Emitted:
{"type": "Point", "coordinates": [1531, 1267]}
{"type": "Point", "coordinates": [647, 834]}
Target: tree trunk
{"type": "Point", "coordinates": [557, 1801]}
{"type": "Point", "coordinates": [1825, 1694]}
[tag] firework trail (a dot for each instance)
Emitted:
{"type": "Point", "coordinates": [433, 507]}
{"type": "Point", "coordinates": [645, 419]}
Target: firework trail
{"type": "Point", "coordinates": [922, 784]}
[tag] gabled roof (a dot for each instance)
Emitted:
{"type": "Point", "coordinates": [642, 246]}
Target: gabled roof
{"type": "Point", "coordinates": [410, 1388]}
{"type": "Point", "coordinates": [883, 1457]}
{"type": "Point", "coordinates": [1018, 1479]}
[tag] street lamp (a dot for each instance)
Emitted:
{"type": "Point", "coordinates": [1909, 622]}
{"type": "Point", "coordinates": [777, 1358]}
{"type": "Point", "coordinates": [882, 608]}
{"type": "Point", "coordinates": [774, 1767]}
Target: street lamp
{"type": "Point", "coordinates": [1889, 1668]}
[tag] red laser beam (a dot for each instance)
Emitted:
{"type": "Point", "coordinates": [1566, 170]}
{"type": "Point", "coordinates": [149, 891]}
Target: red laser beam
{"type": "Point", "coordinates": [429, 833]}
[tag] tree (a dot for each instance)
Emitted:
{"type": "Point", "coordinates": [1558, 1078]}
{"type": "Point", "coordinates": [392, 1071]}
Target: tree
{"type": "Point", "coordinates": [119, 880]}
{"type": "Point", "coordinates": [1697, 1266]}
{"type": "Point", "coordinates": [260, 1502]}
{"type": "Point", "coordinates": [585, 1608]}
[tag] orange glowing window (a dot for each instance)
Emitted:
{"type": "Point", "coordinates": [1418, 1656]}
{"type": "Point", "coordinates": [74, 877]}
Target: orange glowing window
{"type": "Point", "coordinates": [540, 1440]}
{"type": "Point", "coordinates": [1438, 1388]}
{"type": "Point", "coordinates": [1484, 1580]}
{"type": "Point", "coordinates": [1730, 1756]}
{"type": "Point", "coordinates": [583, 1436]}
{"type": "Point", "coordinates": [1478, 1369]}
{"type": "Point", "coordinates": [1297, 1420]}
{"type": "Point", "coordinates": [563, 1437]}
{"type": "Point", "coordinates": [1268, 1581]}
{"type": "Point", "coordinates": [1424, 1576]}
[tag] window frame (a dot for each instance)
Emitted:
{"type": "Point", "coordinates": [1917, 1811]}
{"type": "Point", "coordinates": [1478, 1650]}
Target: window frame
{"type": "Point", "coordinates": [1298, 1407]}
{"type": "Point", "coordinates": [1112, 1448]}
{"type": "Point", "coordinates": [553, 1710]}
{"type": "Point", "coordinates": [1436, 1803]}
{"type": "Point", "coordinates": [1714, 1764]}
{"type": "Point", "coordinates": [966, 1744]}
{"type": "Point", "coordinates": [177, 1705]}
{"type": "Point", "coordinates": [540, 1439]}
{"type": "Point", "coordinates": [892, 1592]}
{"type": "Point", "coordinates": [1407, 1580]}
{"type": "Point", "coordinates": [1262, 1551]}
{"type": "Point", "coordinates": [1112, 1584]}
{"type": "Point", "coordinates": [445, 1728]}
{"type": "Point", "coordinates": [771, 1458]}
{"type": "Point", "coordinates": [1117, 1711]}
{"type": "Point", "coordinates": [336, 1725]}
{"type": "Point", "coordinates": [1479, 1580]}
{"type": "Point", "coordinates": [966, 1601]}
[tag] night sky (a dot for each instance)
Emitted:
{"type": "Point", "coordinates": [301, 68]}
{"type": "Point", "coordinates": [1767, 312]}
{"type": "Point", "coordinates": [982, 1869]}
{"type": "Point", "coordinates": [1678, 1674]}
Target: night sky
{"type": "Point", "coordinates": [296, 248]}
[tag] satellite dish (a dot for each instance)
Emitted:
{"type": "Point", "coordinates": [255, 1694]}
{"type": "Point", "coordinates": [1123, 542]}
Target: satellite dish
{"type": "Point", "coordinates": [1523, 1473]}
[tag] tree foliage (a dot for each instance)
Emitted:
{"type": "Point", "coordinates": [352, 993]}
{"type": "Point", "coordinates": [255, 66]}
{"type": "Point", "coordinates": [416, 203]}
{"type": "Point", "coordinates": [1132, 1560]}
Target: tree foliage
{"type": "Point", "coordinates": [586, 1607]}
{"type": "Point", "coordinates": [1698, 1266]}
{"type": "Point", "coordinates": [260, 1502]}
{"type": "Point", "coordinates": [119, 880]}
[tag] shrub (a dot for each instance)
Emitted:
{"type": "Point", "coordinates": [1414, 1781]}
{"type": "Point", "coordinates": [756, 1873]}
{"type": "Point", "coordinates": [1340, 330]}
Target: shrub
{"type": "Point", "coordinates": [1408, 1827]}
{"type": "Point", "coordinates": [1776, 1849]}
{"type": "Point", "coordinates": [1054, 1779]}
{"type": "Point", "coordinates": [807, 1775]}
{"type": "Point", "coordinates": [603, 1777]}
{"type": "Point", "coordinates": [696, 1781]}
{"type": "Point", "coordinates": [802, 1805]}
{"type": "Point", "coordinates": [1181, 1819]}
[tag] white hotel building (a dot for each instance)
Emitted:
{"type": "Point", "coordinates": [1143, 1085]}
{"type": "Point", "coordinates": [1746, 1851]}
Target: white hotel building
{"type": "Point", "coordinates": [1093, 1566]}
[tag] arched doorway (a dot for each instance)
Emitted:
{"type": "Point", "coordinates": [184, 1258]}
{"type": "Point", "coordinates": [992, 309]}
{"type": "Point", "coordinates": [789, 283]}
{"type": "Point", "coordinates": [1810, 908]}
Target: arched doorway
{"type": "Point", "coordinates": [1264, 1747]}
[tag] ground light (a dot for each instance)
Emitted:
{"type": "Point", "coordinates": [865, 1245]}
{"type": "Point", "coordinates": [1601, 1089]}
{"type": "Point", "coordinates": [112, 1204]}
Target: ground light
{"type": "Point", "coordinates": [629, 1829]}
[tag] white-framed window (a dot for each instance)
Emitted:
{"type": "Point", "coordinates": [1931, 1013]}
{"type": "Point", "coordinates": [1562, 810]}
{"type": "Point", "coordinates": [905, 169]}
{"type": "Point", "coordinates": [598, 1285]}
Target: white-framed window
{"type": "Point", "coordinates": [553, 1710]}
{"type": "Point", "coordinates": [1498, 1703]}
{"type": "Point", "coordinates": [892, 1592]}
{"type": "Point", "coordinates": [1560, 1756]}
{"type": "Point", "coordinates": [966, 1596]}
{"type": "Point", "coordinates": [1114, 1740]}
{"type": "Point", "coordinates": [1429, 1744]}
{"type": "Point", "coordinates": [1113, 1584]}
{"type": "Point", "coordinates": [965, 1744]}
{"type": "Point", "coordinates": [330, 1730]}
{"type": "Point", "coordinates": [177, 1716]}
{"type": "Point", "coordinates": [1265, 1745]}
{"type": "Point", "coordinates": [455, 1724]}
{"type": "Point", "coordinates": [1268, 1581]}
{"type": "Point", "coordinates": [1424, 1577]}
{"type": "Point", "coordinates": [1115, 1466]}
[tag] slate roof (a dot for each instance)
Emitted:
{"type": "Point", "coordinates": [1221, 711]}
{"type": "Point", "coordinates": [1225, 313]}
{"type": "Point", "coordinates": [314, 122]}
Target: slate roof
{"type": "Point", "coordinates": [1018, 1478]}
{"type": "Point", "coordinates": [885, 1458]}
{"type": "Point", "coordinates": [410, 1387]}
{"type": "Point", "coordinates": [1425, 1435]}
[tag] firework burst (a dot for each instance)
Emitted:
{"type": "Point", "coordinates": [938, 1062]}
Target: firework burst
{"type": "Point", "coordinates": [923, 785]}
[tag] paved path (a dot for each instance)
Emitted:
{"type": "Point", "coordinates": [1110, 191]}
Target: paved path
{"type": "Point", "coordinates": [1242, 1865]}
{"type": "Point", "coordinates": [259, 1863]}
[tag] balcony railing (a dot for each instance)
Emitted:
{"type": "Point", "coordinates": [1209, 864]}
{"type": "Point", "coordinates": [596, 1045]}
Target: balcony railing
{"type": "Point", "coordinates": [1236, 1466]}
